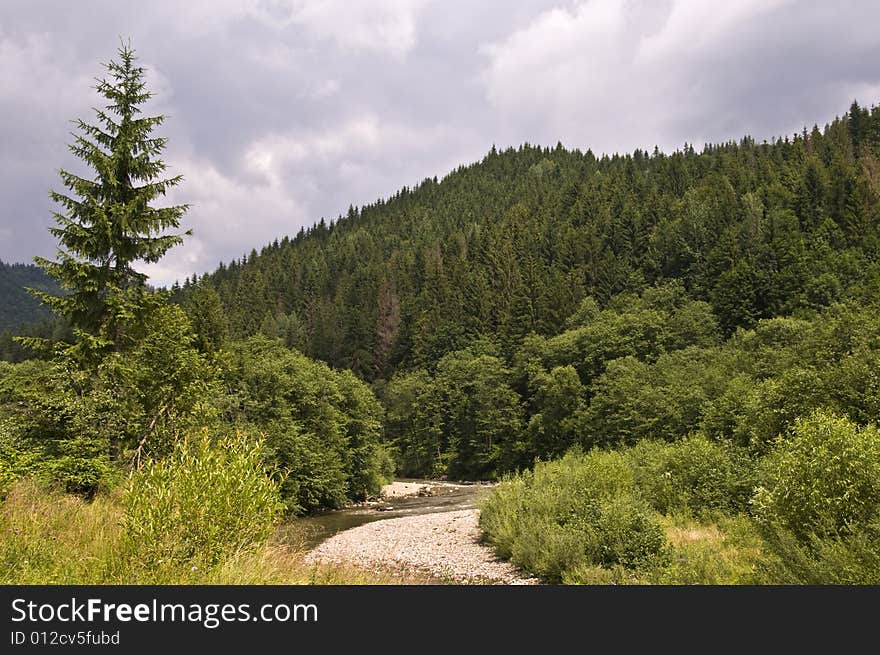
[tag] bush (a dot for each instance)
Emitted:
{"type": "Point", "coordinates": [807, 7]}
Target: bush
{"type": "Point", "coordinates": [819, 505]}
{"type": "Point", "coordinates": [694, 474]}
{"type": "Point", "coordinates": [382, 468]}
{"type": "Point", "coordinates": [579, 511]}
{"type": "Point", "coordinates": [208, 500]}
{"type": "Point", "coordinates": [823, 479]}
{"type": "Point", "coordinates": [15, 460]}
{"type": "Point", "coordinates": [322, 426]}
{"type": "Point", "coordinates": [848, 559]}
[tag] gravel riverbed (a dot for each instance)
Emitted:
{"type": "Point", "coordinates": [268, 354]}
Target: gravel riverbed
{"type": "Point", "coordinates": [443, 544]}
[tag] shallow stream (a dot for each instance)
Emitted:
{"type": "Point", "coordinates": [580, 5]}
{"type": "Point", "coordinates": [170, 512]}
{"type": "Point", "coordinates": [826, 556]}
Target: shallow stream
{"type": "Point", "coordinates": [309, 531]}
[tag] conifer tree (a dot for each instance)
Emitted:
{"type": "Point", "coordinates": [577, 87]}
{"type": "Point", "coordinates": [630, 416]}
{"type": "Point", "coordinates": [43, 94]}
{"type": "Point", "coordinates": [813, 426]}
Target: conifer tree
{"type": "Point", "coordinates": [108, 223]}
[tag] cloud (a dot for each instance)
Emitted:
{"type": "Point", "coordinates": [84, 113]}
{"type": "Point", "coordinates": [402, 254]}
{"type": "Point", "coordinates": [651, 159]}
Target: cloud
{"type": "Point", "coordinates": [228, 217]}
{"type": "Point", "coordinates": [381, 25]}
{"type": "Point", "coordinates": [33, 131]}
{"type": "Point", "coordinates": [615, 76]}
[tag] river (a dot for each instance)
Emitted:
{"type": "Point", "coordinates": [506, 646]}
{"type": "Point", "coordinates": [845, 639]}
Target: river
{"type": "Point", "coordinates": [307, 532]}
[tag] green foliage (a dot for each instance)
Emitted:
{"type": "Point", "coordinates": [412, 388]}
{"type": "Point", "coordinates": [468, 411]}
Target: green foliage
{"type": "Point", "coordinates": [464, 422]}
{"type": "Point", "coordinates": [37, 411]}
{"type": "Point", "coordinates": [16, 460]}
{"type": "Point", "coordinates": [414, 424]}
{"type": "Point", "coordinates": [661, 319]}
{"type": "Point", "coordinates": [823, 479]}
{"type": "Point", "coordinates": [481, 413]}
{"type": "Point", "coordinates": [206, 316]}
{"type": "Point", "coordinates": [204, 503]}
{"type": "Point", "coordinates": [558, 399]}
{"type": "Point", "coordinates": [693, 475]}
{"type": "Point", "coordinates": [151, 395]}
{"type": "Point", "coordinates": [634, 400]}
{"type": "Point", "coordinates": [322, 427]}
{"type": "Point", "coordinates": [819, 505]}
{"type": "Point", "coordinates": [852, 558]}
{"type": "Point", "coordinates": [66, 414]}
{"type": "Point", "coordinates": [581, 510]}
{"type": "Point", "coordinates": [17, 307]}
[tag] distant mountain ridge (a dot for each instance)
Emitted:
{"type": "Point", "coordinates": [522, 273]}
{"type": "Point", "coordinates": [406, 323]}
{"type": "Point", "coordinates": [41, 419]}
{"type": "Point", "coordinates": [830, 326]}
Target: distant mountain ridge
{"type": "Point", "coordinates": [17, 306]}
{"type": "Point", "coordinates": [513, 244]}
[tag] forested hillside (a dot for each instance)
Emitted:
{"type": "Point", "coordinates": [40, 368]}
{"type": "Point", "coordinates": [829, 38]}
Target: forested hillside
{"type": "Point", "coordinates": [670, 360]}
{"type": "Point", "coordinates": [512, 245]}
{"type": "Point", "coordinates": [544, 298]}
{"type": "Point", "coordinates": [17, 306]}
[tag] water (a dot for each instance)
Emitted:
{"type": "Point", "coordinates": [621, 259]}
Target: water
{"type": "Point", "coordinates": [308, 532]}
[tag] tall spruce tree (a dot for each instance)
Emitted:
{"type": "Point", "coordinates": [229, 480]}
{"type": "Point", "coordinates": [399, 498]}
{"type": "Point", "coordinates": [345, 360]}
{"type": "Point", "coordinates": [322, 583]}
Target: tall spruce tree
{"type": "Point", "coordinates": [108, 223]}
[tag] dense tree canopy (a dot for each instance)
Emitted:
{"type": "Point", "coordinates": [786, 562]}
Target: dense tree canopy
{"type": "Point", "coordinates": [545, 298]}
{"type": "Point", "coordinates": [514, 243]}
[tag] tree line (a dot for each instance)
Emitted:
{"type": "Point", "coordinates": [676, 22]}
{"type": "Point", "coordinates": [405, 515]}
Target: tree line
{"type": "Point", "coordinates": [544, 297]}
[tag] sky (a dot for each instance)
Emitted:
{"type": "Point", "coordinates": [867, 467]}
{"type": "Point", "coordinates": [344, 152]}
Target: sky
{"type": "Point", "coordinates": [281, 112]}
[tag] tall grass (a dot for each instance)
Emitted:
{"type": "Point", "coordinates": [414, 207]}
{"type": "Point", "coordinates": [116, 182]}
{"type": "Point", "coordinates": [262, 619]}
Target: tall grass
{"type": "Point", "coordinates": [206, 514]}
{"type": "Point", "coordinates": [209, 500]}
{"type": "Point", "coordinates": [49, 537]}
{"type": "Point", "coordinates": [724, 551]}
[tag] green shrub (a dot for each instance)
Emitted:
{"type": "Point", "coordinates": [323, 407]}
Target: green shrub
{"type": "Point", "coordinates": [823, 479]}
{"type": "Point", "coordinates": [16, 461]}
{"type": "Point", "coordinates": [579, 511]}
{"type": "Point", "coordinates": [322, 426]}
{"type": "Point", "coordinates": [819, 505]}
{"type": "Point", "coordinates": [81, 466]}
{"type": "Point", "coordinates": [694, 474]}
{"type": "Point", "coordinates": [847, 559]}
{"type": "Point", "coordinates": [381, 468]}
{"type": "Point", "coordinates": [206, 501]}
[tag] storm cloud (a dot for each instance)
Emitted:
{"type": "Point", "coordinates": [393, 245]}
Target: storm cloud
{"type": "Point", "coordinates": [281, 112]}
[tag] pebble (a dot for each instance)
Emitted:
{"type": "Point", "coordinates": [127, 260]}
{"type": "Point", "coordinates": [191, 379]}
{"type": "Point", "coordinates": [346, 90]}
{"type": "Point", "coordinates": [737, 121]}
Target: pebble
{"type": "Point", "coordinates": [443, 544]}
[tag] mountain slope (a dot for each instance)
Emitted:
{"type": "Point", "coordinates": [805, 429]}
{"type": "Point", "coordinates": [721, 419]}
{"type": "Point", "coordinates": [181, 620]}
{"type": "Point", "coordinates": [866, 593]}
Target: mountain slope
{"type": "Point", "coordinates": [17, 306]}
{"type": "Point", "coordinates": [512, 245]}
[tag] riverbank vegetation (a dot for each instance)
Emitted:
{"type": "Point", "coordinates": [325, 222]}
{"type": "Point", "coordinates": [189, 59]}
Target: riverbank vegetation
{"type": "Point", "coordinates": [52, 537]}
{"type": "Point", "coordinates": [699, 512]}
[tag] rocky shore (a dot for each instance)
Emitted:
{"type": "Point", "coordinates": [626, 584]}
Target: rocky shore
{"type": "Point", "coordinates": [444, 544]}
{"type": "Point", "coordinates": [400, 489]}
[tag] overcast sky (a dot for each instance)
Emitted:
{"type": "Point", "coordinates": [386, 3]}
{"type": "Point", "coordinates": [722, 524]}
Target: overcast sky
{"type": "Point", "coordinates": [284, 111]}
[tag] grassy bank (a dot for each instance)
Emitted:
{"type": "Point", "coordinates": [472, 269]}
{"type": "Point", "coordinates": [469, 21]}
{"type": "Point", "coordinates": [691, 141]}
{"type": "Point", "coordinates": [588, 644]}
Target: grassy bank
{"type": "Point", "coordinates": [49, 537]}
